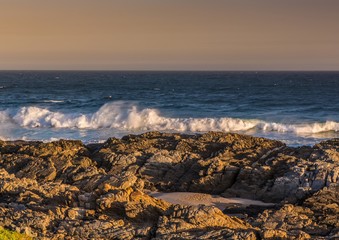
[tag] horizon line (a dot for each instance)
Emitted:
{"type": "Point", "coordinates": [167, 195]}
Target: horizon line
{"type": "Point", "coordinates": [158, 70]}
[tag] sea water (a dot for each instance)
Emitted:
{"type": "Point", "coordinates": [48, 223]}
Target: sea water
{"type": "Point", "coordinates": [299, 108]}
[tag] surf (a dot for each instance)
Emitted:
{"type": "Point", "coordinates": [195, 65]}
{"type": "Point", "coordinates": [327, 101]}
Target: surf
{"type": "Point", "coordinates": [129, 116]}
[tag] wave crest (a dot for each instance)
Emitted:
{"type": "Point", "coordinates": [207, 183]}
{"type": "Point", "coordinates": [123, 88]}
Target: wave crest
{"type": "Point", "coordinates": [126, 116]}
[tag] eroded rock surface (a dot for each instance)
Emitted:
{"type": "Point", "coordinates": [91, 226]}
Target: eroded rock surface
{"type": "Point", "coordinates": [67, 190]}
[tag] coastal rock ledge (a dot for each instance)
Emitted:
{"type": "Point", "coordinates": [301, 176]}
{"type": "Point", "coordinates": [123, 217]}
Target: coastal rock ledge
{"type": "Point", "coordinates": [68, 190]}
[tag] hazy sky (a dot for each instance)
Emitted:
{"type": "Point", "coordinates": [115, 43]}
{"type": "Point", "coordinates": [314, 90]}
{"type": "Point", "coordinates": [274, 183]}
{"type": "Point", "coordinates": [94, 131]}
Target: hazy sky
{"type": "Point", "coordinates": [170, 34]}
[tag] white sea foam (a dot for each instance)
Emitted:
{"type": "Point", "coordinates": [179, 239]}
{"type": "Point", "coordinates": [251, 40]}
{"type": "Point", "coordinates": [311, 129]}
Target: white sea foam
{"type": "Point", "coordinates": [309, 128]}
{"type": "Point", "coordinates": [53, 101]}
{"type": "Point", "coordinates": [126, 116]}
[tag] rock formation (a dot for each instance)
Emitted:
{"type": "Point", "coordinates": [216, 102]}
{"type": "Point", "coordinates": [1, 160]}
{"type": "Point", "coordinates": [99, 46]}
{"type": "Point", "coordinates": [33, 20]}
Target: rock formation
{"type": "Point", "coordinates": [68, 190]}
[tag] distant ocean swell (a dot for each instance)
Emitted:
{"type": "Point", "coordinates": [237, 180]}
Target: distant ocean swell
{"type": "Point", "coordinates": [128, 116]}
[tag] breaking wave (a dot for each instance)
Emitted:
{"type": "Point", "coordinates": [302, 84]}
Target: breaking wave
{"type": "Point", "coordinates": [127, 116]}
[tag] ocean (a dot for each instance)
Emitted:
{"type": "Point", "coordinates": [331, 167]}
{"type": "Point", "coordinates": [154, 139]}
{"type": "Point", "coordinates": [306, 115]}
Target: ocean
{"type": "Point", "coordinates": [298, 108]}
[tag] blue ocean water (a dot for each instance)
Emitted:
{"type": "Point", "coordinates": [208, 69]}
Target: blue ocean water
{"type": "Point", "coordinates": [295, 107]}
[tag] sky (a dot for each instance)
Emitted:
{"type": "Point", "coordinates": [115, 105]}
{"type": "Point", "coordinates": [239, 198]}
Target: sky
{"type": "Point", "coordinates": [169, 35]}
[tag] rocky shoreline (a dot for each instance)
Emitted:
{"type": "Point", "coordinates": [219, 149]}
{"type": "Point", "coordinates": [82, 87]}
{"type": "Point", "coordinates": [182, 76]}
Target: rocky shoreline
{"type": "Point", "coordinates": [68, 190]}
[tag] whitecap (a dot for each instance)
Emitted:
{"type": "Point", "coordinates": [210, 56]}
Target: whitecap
{"type": "Point", "coordinates": [53, 101]}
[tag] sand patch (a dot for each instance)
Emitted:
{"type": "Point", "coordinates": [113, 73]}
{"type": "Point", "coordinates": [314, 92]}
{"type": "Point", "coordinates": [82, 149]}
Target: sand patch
{"type": "Point", "coordinates": [194, 199]}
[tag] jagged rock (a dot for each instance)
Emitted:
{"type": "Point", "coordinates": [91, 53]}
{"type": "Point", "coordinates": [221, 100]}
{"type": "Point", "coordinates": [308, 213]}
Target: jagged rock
{"type": "Point", "coordinates": [182, 222]}
{"type": "Point", "coordinates": [317, 216]}
{"type": "Point", "coordinates": [66, 190]}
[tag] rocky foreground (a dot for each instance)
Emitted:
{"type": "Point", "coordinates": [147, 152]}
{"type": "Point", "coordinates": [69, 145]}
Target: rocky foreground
{"type": "Point", "coordinates": [68, 190]}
